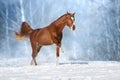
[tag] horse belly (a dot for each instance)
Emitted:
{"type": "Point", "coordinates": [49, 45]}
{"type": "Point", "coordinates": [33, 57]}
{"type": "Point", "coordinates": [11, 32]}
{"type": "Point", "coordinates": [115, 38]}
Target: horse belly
{"type": "Point", "coordinates": [45, 41]}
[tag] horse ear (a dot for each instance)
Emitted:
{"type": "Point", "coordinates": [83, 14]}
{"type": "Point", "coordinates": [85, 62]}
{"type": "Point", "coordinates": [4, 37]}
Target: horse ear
{"type": "Point", "coordinates": [73, 13]}
{"type": "Point", "coordinates": [67, 12]}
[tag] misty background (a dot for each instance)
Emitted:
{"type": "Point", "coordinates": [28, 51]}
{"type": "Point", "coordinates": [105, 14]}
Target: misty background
{"type": "Point", "coordinates": [97, 34]}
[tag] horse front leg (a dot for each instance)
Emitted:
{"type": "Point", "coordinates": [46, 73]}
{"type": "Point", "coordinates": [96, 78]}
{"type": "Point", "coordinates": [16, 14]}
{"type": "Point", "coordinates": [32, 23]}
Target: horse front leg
{"type": "Point", "coordinates": [57, 54]}
{"type": "Point", "coordinates": [61, 50]}
{"type": "Point", "coordinates": [60, 39]}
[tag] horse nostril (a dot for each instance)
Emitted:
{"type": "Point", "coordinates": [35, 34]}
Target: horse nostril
{"type": "Point", "coordinates": [73, 27]}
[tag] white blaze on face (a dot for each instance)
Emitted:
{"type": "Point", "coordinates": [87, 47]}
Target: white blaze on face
{"type": "Point", "coordinates": [72, 25]}
{"type": "Point", "coordinates": [72, 18]}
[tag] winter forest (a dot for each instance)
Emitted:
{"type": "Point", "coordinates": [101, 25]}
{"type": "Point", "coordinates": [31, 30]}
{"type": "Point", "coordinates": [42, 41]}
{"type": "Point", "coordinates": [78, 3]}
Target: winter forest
{"type": "Point", "coordinates": [96, 38]}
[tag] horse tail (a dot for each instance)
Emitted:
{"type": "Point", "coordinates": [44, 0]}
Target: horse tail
{"type": "Point", "coordinates": [24, 31]}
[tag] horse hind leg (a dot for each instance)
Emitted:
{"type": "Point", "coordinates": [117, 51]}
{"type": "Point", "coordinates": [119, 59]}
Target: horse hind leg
{"type": "Point", "coordinates": [31, 62]}
{"type": "Point", "coordinates": [35, 51]}
{"type": "Point", "coordinates": [33, 58]}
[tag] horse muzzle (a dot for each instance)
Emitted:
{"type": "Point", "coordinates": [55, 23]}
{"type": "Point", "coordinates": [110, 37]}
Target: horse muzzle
{"type": "Point", "coordinates": [73, 27]}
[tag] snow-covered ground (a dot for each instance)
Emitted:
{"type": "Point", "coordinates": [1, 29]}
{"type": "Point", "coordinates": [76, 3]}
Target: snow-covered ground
{"type": "Point", "coordinates": [19, 69]}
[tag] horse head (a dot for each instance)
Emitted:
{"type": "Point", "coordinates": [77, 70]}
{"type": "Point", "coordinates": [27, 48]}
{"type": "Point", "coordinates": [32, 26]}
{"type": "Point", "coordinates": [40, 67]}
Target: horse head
{"type": "Point", "coordinates": [70, 20]}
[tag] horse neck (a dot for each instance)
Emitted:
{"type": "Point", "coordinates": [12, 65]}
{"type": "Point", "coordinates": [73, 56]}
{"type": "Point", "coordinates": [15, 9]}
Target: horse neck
{"type": "Point", "coordinates": [60, 24]}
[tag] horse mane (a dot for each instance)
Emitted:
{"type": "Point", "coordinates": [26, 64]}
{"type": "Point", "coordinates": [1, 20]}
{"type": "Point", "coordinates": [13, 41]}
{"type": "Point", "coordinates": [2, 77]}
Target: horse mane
{"type": "Point", "coordinates": [58, 19]}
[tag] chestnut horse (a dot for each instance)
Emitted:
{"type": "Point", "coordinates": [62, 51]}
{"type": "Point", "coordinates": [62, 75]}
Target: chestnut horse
{"type": "Point", "coordinates": [46, 36]}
